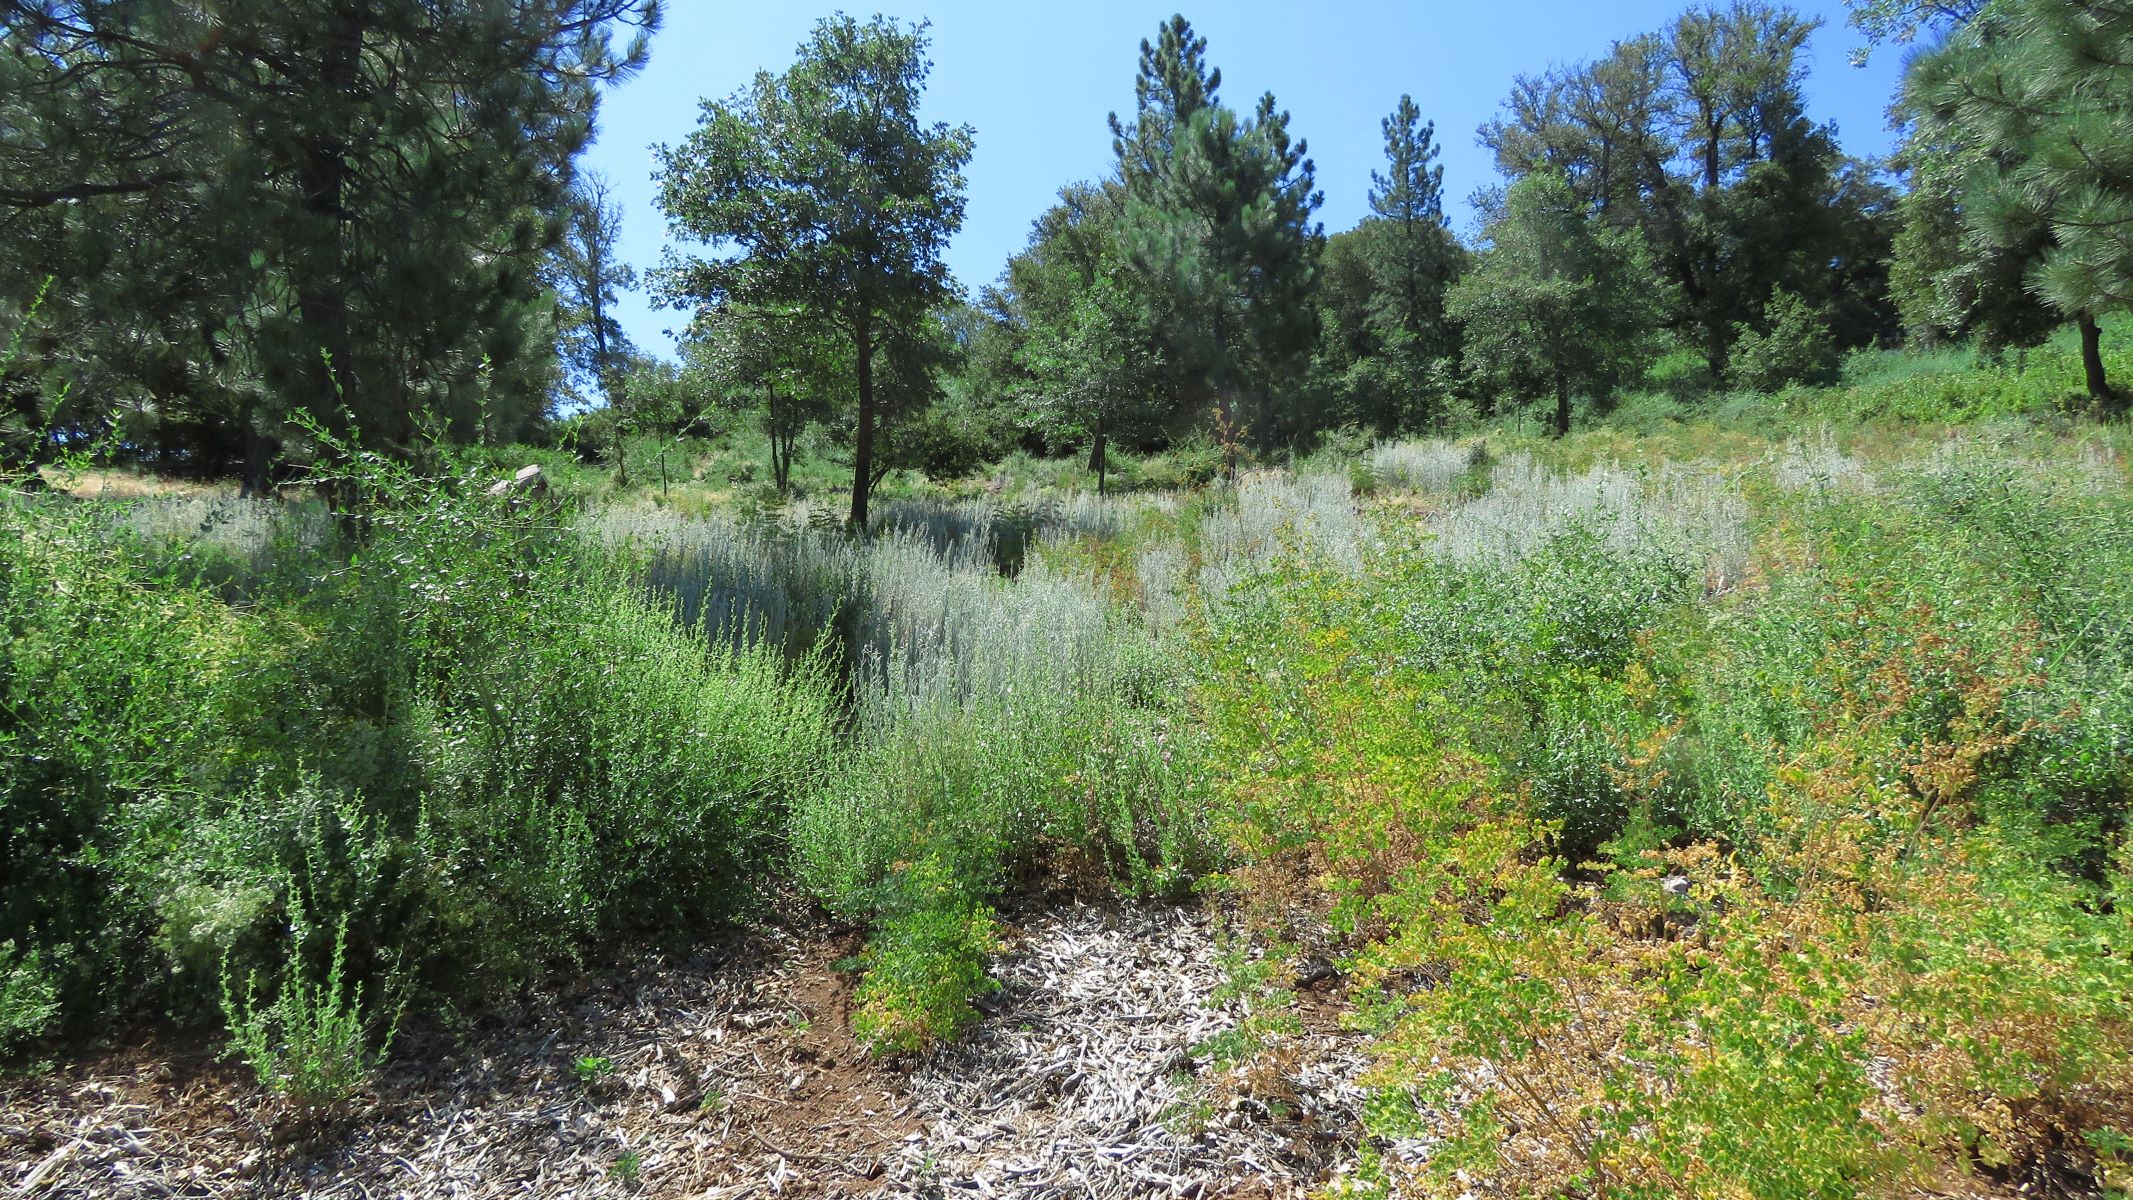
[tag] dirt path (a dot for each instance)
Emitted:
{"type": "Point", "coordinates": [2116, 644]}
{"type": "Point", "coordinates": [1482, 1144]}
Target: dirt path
{"type": "Point", "coordinates": [735, 1075]}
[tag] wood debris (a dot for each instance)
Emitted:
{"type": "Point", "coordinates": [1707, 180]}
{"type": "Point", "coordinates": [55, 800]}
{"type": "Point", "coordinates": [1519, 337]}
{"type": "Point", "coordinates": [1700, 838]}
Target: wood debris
{"type": "Point", "coordinates": [734, 1075]}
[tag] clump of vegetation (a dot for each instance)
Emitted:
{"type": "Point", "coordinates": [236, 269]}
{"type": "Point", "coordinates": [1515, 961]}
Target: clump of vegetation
{"type": "Point", "coordinates": [457, 731]}
{"type": "Point", "coordinates": [28, 998]}
{"type": "Point", "coordinates": [592, 1070]}
{"type": "Point", "coordinates": [315, 1044]}
{"type": "Point", "coordinates": [1708, 885]}
{"type": "Point", "coordinates": [926, 962]}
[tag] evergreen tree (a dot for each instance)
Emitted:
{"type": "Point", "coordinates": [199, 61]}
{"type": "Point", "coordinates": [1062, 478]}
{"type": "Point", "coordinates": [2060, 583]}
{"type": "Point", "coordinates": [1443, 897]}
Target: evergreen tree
{"type": "Point", "coordinates": [337, 207]}
{"type": "Point", "coordinates": [1951, 281]}
{"type": "Point", "coordinates": [1413, 258]}
{"type": "Point", "coordinates": [839, 200]}
{"type": "Point", "coordinates": [588, 280]}
{"type": "Point", "coordinates": [1218, 220]}
{"type": "Point", "coordinates": [1173, 85]}
{"type": "Point", "coordinates": [2043, 89]}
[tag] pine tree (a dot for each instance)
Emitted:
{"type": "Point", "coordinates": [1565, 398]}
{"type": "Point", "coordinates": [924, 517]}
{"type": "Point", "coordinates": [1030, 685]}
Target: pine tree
{"type": "Point", "coordinates": [589, 277]}
{"type": "Point", "coordinates": [336, 207]}
{"type": "Point", "coordinates": [1174, 84]}
{"type": "Point", "coordinates": [1414, 258]}
{"type": "Point", "coordinates": [1218, 219]}
{"type": "Point", "coordinates": [2044, 90]}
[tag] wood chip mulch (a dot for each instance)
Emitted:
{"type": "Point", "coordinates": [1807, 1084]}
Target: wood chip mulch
{"type": "Point", "coordinates": [734, 1074]}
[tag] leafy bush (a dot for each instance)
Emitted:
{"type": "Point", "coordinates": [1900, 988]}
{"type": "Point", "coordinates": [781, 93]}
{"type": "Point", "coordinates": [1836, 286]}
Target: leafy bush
{"type": "Point", "coordinates": [28, 999]}
{"type": "Point", "coordinates": [459, 733]}
{"type": "Point", "coordinates": [1851, 918]}
{"type": "Point", "coordinates": [925, 963]}
{"type": "Point", "coordinates": [1793, 347]}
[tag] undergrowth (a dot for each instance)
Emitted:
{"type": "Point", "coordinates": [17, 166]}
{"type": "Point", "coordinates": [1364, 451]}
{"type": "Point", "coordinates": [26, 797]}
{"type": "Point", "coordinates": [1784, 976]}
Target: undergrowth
{"type": "Point", "coordinates": [1807, 880]}
{"type": "Point", "coordinates": [1689, 813]}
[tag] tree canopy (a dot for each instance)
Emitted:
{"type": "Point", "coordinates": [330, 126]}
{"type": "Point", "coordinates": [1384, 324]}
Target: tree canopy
{"type": "Point", "coordinates": [2031, 99]}
{"type": "Point", "coordinates": [1559, 304]}
{"type": "Point", "coordinates": [254, 209]}
{"type": "Point", "coordinates": [835, 197]}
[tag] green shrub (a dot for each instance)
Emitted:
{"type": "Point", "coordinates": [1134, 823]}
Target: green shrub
{"type": "Point", "coordinates": [313, 1044]}
{"type": "Point", "coordinates": [29, 1000]}
{"type": "Point", "coordinates": [925, 963]}
{"type": "Point", "coordinates": [460, 733]}
{"type": "Point", "coordinates": [1792, 348]}
{"type": "Point", "coordinates": [1861, 811]}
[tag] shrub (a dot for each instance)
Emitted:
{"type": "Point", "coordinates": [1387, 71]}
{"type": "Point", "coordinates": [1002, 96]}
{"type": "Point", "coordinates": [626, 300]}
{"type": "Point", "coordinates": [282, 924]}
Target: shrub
{"type": "Point", "coordinates": [29, 1000]}
{"type": "Point", "coordinates": [1854, 922]}
{"type": "Point", "coordinates": [459, 733]}
{"type": "Point", "coordinates": [925, 963]}
{"type": "Point", "coordinates": [313, 1044]}
{"type": "Point", "coordinates": [1794, 347]}
{"type": "Point", "coordinates": [1433, 466]}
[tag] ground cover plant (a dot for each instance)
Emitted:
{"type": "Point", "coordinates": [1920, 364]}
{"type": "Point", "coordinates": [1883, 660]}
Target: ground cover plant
{"type": "Point", "coordinates": [1668, 819]}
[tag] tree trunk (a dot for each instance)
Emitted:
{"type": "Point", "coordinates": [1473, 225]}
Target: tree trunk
{"type": "Point", "coordinates": [1097, 458]}
{"type": "Point", "coordinates": [780, 441]}
{"type": "Point", "coordinates": [322, 295]}
{"type": "Point", "coordinates": [1562, 405]}
{"type": "Point", "coordinates": [2092, 360]}
{"type": "Point", "coordinates": [1713, 130]}
{"type": "Point", "coordinates": [258, 460]}
{"type": "Point", "coordinates": [863, 443]}
{"type": "Point", "coordinates": [1226, 429]}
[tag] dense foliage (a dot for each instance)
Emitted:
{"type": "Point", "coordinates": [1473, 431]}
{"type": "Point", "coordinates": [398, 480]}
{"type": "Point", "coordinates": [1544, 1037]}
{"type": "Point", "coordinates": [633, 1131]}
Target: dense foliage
{"type": "Point", "coordinates": [247, 216]}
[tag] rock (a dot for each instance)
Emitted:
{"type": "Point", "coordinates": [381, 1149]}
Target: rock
{"type": "Point", "coordinates": [1316, 970]}
{"type": "Point", "coordinates": [527, 482]}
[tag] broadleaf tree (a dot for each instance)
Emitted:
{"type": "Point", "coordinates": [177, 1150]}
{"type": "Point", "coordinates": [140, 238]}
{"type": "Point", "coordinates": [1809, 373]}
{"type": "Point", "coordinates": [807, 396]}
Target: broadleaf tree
{"type": "Point", "coordinates": [1558, 304]}
{"type": "Point", "coordinates": [784, 364]}
{"type": "Point", "coordinates": [836, 198]}
{"type": "Point", "coordinates": [1696, 137]}
{"type": "Point", "coordinates": [1089, 342]}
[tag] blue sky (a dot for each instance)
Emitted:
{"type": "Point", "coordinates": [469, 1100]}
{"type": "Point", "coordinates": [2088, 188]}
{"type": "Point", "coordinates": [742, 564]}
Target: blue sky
{"type": "Point", "coordinates": [1036, 81]}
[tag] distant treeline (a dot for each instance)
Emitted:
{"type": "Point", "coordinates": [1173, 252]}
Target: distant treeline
{"type": "Point", "coordinates": [218, 219]}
